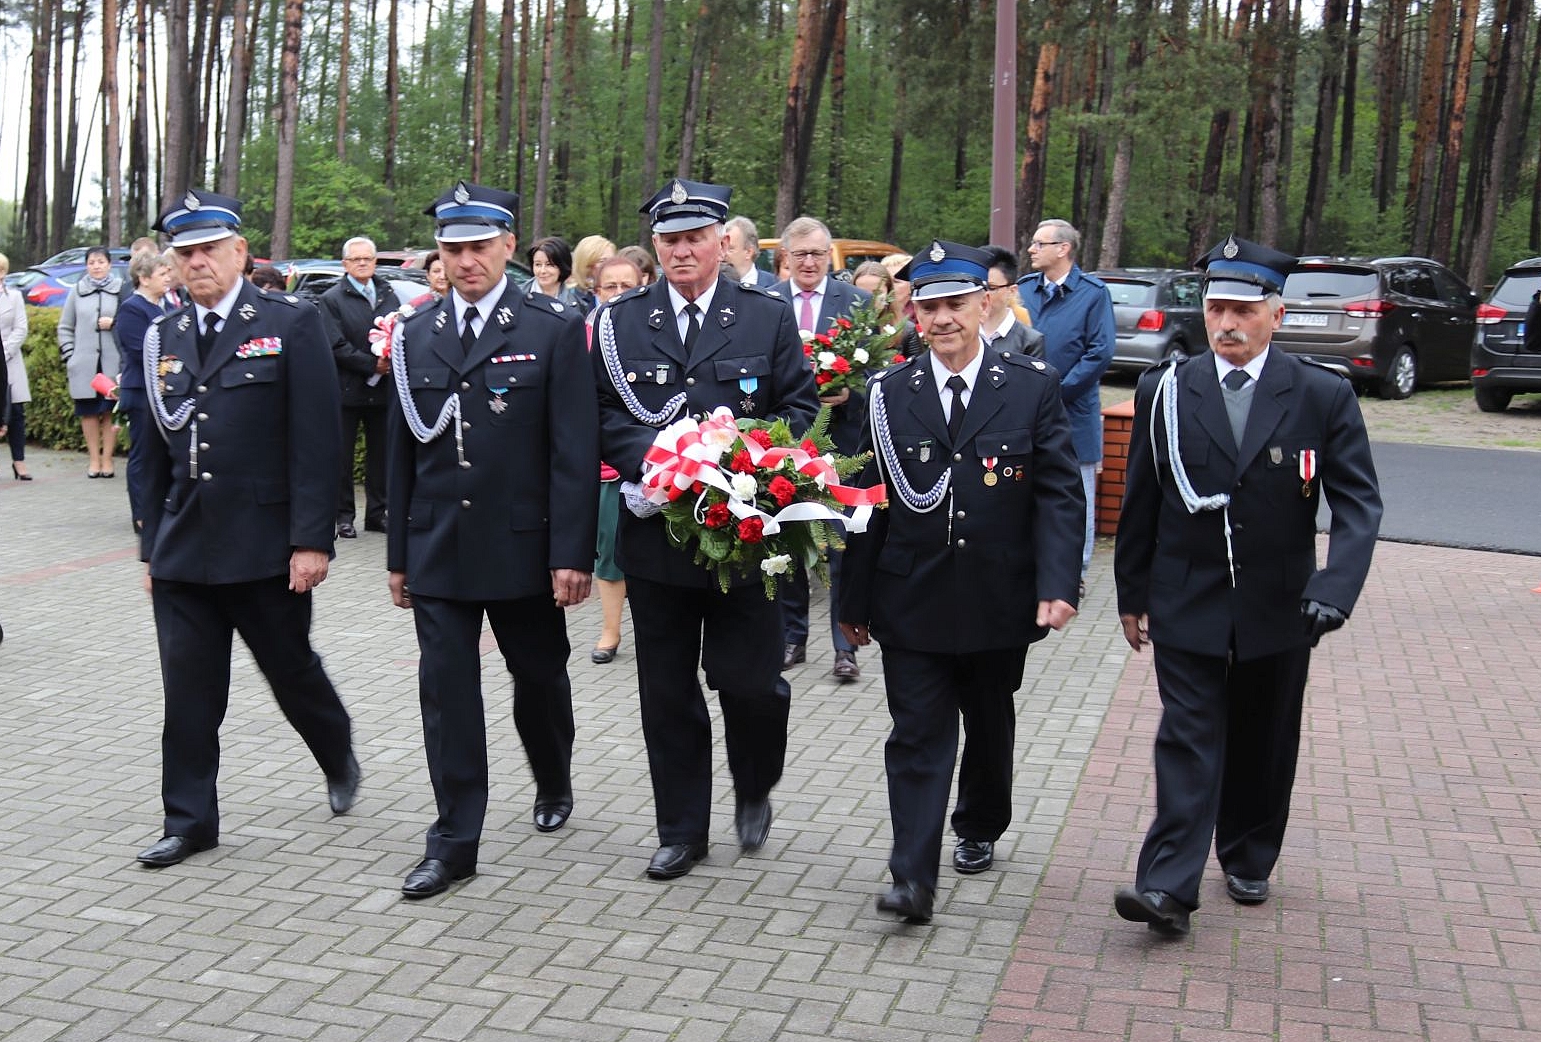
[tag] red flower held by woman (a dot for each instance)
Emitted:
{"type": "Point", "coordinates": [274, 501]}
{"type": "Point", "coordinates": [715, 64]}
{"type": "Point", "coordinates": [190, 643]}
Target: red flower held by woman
{"type": "Point", "coordinates": [718, 515]}
{"type": "Point", "coordinates": [782, 490]}
{"type": "Point", "coordinates": [751, 530]}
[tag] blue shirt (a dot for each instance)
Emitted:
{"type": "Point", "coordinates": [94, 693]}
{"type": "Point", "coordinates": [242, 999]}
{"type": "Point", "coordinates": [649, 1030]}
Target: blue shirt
{"type": "Point", "coordinates": [1079, 335]}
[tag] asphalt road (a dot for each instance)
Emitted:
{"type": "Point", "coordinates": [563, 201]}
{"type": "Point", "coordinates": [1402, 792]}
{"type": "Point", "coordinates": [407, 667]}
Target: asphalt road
{"type": "Point", "coordinates": [1479, 499]}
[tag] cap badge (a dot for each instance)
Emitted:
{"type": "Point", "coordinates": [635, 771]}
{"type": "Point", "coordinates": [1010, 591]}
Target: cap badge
{"type": "Point", "coordinates": [937, 254]}
{"type": "Point", "coordinates": [462, 193]}
{"type": "Point", "coordinates": [1230, 250]}
{"type": "Point", "coordinates": [677, 194]}
{"type": "Point", "coordinates": [191, 201]}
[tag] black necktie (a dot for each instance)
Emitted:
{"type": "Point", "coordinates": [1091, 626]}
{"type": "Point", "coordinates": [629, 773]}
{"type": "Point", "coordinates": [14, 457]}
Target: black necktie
{"type": "Point", "coordinates": [468, 332]}
{"type": "Point", "coordinates": [1236, 379]}
{"type": "Point", "coordinates": [208, 333]}
{"type": "Point", "coordinates": [692, 327]}
{"type": "Point", "coordinates": [956, 385]}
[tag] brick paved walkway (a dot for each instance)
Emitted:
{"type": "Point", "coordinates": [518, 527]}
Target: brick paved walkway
{"type": "Point", "coordinates": [1404, 905]}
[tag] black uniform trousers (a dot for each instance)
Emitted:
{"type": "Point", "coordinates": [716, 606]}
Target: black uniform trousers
{"type": "Point", "coordinates": [194, 623]}
{"type": "Point", "coordinates": [736, 638]}
{"type": "Point", "coordinates": [796, 600]}
{"type": "Point", "coordinates": [532, 635]}
{"type": "Point", "coordinates": [926, 693]}
{"type": "Point", "coordinates": [372, 419]}
{"type": "Point", "coordinates": [1225, 766]}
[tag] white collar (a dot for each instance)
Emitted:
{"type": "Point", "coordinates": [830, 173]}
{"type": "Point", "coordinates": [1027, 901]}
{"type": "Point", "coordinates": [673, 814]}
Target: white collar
{"type": "Point", "coordinates": [1253, 368]}
{"type": "Point", "coordinates": [483, 307]}
{"type": "Point", "coordinates": [817, 291]}
{"type": "Point", "coordinates": [1002, 329]}
{"type": "Point", "coordinates": [941, 374]}
{"type": "Point", "coordinates": [704, 301]}
{"type": "Point", "coordinates": [223, 308]}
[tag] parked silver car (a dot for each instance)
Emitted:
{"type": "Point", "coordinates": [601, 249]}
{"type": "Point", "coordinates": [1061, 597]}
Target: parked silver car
{"type": "Point", "coordinates": [1159, 313]}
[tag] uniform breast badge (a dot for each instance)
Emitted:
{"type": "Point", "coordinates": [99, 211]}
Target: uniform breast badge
{"type": "Point", "coordinates": [1307, 471]}
{"type": "Point", "coordinates": [748, 385]}
{"type": "Point", "coordinates": [247, 311]}
{"type": "Point", "coordinates": [925, 451]}
{"type": "Point", "coordinates": [990, 475]}
{"type": "Point", "coordinates": [505, 316]}
{"type": "Point", "coordinates": [496, 403]}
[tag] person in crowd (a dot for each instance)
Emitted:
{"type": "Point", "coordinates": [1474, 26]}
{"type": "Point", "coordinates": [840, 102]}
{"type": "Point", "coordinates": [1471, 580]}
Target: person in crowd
{"type": "Point", "coordinates": [551, 259]}
{"type": "Point", "coordinates": [149, 274]}
{"type": "Point", "coordinates": [591, 251]}
{"type": "Point", "coordinates": [13, 338]}
{"type": "Point", "coordinates": [89, 348]}
{"type": "Point", "coordinates": [144, 242]}
{"type": "Point", "coordinates": [266, 276]}
{"type": "Point", "coordinates": [1074, 312]}
{"type": "Point", "coordinates": [1216, 566]}
{"type": "Point", "coordinates": [174, 289]}
{"type": "Point", "coordinates": [499, 518]}
{"type": "Point", "coordinates": [1533, 325]}
{"type": "Point", "coordinates": [350, 308]}
{"type": "Point", "coordinates": [238, 506]}
{"type": "Point", "coordinates": [974, 559]}
{"type": "Point", "coordinates": [646, 266]}
{"type": "Point", "coordinates": [613, 277]}
{"type": "Point", "coordinates": [438, 277]}
{"type": "Point", "coordinates": [1002, 328]}
{"type": "Point", "coordinates": [874, 278]}
{"type": "Point", "coordinates": [740, 252]}
{"type": "Point", "coordinates": [783, 263]}
{"type": "Point", "coordinates": [818, 302]}
{"type": "Point", "coordinates": [895, 263]}
{"type": "Point", "coordinates": [677, 333]}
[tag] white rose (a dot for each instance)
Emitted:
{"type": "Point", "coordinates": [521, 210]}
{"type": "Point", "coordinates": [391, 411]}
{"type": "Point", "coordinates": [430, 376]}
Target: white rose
{"type": "Point", "coordinates": [826, 358]}
{"type": "Point", "coordinates": [860, 356]}
{"type": "Point", "coordinates": [806, 334]}
{"type": "Point", "coordinates": [777, 565]}
{"type": "Point", "coordinates": [744, 486]}
{"type": "Point", "coordinates": [888, 330]}
{"type": "Point", "coordinates": [719, 439]}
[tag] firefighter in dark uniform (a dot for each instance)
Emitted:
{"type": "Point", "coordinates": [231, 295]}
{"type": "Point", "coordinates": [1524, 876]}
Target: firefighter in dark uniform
{"type": "Point", "coordinates": [493, 506]}
{"type": "Point", "coordinates": [238, 508]}
{"type": "Point", "coordinates": [1216, 568]}
{"type": "Point", "coordinates": [685, 345]}
{"type": "Point", "coordinates": [977, 556]}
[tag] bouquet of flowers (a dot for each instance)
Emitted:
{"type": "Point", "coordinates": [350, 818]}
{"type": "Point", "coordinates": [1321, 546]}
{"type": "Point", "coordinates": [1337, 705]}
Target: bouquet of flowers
{"type": "Point", "coordinates": [385, 328]}
{"type": "Point", "coordinates": [746, 496]}
{"type": "Point", "coordinates": [856, 346]}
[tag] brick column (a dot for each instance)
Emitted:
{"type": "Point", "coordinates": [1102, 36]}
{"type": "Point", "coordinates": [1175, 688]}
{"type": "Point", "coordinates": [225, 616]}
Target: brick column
{"type": "Point", "coordinates": [1117, 425]}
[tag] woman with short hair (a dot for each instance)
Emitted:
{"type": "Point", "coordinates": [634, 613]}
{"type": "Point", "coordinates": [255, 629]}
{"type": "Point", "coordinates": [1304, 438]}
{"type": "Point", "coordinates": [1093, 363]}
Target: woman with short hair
{"type": "Point", "coordinates": [89, 347]}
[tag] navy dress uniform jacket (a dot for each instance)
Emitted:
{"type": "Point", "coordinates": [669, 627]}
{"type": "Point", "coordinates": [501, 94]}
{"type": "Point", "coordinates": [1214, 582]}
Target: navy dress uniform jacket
{"type": "Point", "coordinates": [732, 347]}
{"type": "Point", "coordinates": [1172, 565]}
{"type": "Point", "coordinates": [253, 473]}
{"type": "Point", "coordinates": [490, 520]}
{"type": "Point", "coordinates": [967, 575]}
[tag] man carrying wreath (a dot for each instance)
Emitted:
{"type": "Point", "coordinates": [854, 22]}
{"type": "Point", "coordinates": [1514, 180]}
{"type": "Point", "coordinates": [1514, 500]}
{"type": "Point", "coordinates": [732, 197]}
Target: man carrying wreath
{"type": "Point", "coordinates": [976, 557]}
{"type": "Point", "coordinates": [683, 347]}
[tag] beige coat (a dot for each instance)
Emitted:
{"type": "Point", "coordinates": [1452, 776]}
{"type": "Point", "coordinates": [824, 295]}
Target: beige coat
{"type": "Point", "coordinates": [13, 334]}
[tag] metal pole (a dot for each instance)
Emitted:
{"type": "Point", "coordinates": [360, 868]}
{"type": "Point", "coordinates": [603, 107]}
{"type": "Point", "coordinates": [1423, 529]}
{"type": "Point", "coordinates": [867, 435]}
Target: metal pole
{"type": "Point", "coordinates": [1003, 161]}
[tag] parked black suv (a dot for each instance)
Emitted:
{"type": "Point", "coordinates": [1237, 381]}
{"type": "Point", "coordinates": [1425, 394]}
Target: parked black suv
{"type": "Point", "coordinates": [1159, 313]}
{"type": "Point", "coordinates": [1391, 322]}
{"type": "Point", "coordinates": [1506, 353]}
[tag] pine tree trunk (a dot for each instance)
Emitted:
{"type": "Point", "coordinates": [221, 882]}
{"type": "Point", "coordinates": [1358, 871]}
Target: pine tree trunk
{"type": "Point", "coordinates": [1441, 240]}
{"type": "Point", "coordinates": [1334, 15]}
{"type": "Point", "coordinates": [174, 154]}
{"type": "Point", "coordinates": [112, 160]}
{"type": "Point", "coordinates": [613, 224]}
{"type": "Point", "coordinates": [475, 85]}
{"type": "Point", "coordinates": [521, 148]}
{"type": "Point", "coordinates": [1123, 160]}
{"type": "Point", "coordinates": [895, 164]}
{"type": "Point", "coordinates": [692, 109]}
{"type": "Point", "coordinates": [1505, 64]}
{"type": "Point", "coordinates": [504, 116]}
{"type": "Point", "coordinates": [34, 203]}
{"type": "Point", "coordinates": [543, 131]}
{"type": "Point", "coordinates": [392, 93]}
{"type": "Point", "coordinates": [229, 179]}
{"type": "Point", "coordinates": [288, 120]}
{"type": "Point", "coordinates": [1035, 142]}
{"type": "Point", "coordinates": [817, 21]}
{"type": "Point", "coordinates": [1388, 103]}
{"type": "Point", "coordinates": [836, 128]}
{"type": "Point", "coordinates": [650, 120]}
{"type": "Point", "coordinates": [137, 203]}
{"type": "Point", "coordinates": [1423, 170]}
{"type": "Point", "coordinates": [344, 50]}
{"type": "Point", "coordinates": [1350, 90]}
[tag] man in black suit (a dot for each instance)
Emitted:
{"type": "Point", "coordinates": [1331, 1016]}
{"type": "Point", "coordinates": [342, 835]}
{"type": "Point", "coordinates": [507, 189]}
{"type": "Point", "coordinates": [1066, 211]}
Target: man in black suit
{"type": "Point", "coordinates": [818, 302]}
{"type": "Point", "coordinates": [985, 513]}
{"type": "Point", "coordinates": [1216, 568]}
{"type": "Point", "coordinates": [740, 250]}
{"type": "Point", "coordinates": [493, 452]}
{"type": "Point", "coordinates": [686, 345]}
{"type": "Point", "coordinates": [1002, 329]}
{"type": "Point", "coordinates": [239, 496]}
{"type": "Point", "coordinates": [350, 307]}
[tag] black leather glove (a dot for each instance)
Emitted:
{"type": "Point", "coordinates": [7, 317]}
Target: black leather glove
{"type": "Point", "coordinates": [1320, 618]}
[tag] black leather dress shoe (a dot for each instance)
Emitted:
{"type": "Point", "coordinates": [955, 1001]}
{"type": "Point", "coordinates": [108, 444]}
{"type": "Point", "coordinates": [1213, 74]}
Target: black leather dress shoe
{"type": "Point", "coordinates": [433, 876]}
{"type": "Point", "coordinates": [341, 792]}
{"type": "Point", "coordinates": [375, 526]}
{"type": "Point", "coordinates": [1246, 891]}
{"type": "Point", "coordinates": [675, 860]}
{"type": "Point", "coordinates": [345, 530]}
{"type": "Point", "coordinates": [551, 812]}
{"type": "Point", "coordinates": [1157, 909]}
{"type": "Point", "coordinates": [792, 654]}
{"type": "Point", "coordinates": [910, 901]}
{"type": "Point", "coordinates": [845, 666]}
{"type": "Point", "coordinates": [753, 821]}
{"type": "Point", "coordinates": [173, 850]}
{"type": "Point", "coordinates": [971, 856]}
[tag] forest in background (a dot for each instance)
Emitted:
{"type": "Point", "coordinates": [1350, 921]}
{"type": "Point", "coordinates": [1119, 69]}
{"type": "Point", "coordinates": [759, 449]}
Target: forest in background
{"type": "Point", "coordinates": [1155, 126]}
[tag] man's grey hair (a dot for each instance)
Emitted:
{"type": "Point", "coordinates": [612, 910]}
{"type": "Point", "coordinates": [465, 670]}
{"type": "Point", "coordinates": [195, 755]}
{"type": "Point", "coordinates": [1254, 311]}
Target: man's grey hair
{"type": "Point", "coordinates": [804, 226]}
{"type": "Point", "coordinates": [358, 240]}
{"type": "Point", "coordinates": [1066, 232]}
{"type": "Point", "coordinates": [746, 228]}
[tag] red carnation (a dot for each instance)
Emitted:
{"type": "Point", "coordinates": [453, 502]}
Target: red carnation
{"type": "Point", "coordinates": [822, 378]}
{"type": "Point", "coordinates": [741, 462]}
{"type": "Point", "coordinates": [751, 530]}
{"type": "Point", "coordinates": [896, 360]}
{"type": "Point", "coordinates": [845, 323]}
{"type": "Point", "coordinates": [840, 365]}
{"type": "Point", "coordinates": [825, 339]}
{"type": "Point", "coordinates": [809, 447]}
{"type": "Point", "coordinates": [717, 515]}
{"type": "Point", "coordinates": [782, 490]}
{"type": "Point", "coordinates": [760, 437]}
{"type": "Point", "coordinates": [808, 348]}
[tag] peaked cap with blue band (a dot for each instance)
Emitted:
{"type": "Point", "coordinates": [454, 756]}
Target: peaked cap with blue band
{"type": "Point", "coordinates": [682, 205]}
{"type": "Point", "coordinates": [468, 212]}
{"type": "Point", "coordinates": [200, 217]}
{"type": "Point", "coordinates": [946, 269]}
{"type": "Point", "coordinates": [1241, 270]}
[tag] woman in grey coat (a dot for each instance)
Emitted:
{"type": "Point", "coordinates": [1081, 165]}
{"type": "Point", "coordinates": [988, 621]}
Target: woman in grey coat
{"type": "Point", "coordinates": [89, 346]}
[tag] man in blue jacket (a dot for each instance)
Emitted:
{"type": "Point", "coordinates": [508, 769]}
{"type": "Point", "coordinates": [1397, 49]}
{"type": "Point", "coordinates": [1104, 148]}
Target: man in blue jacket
{"type": "Point", "coordinates": [1074, 313]}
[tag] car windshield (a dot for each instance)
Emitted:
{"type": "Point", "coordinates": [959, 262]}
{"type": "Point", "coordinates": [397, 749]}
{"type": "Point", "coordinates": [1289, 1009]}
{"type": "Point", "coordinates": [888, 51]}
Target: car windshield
{"type": "Point", "coordinates": [1516, 291]}
{"type": "Point", "coordinates": [1330, 282]}
{"type": "Point", "coordinates": [1134, 294]}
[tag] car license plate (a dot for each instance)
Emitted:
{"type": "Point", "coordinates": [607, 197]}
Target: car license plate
{"type": "Point", "coordinates": [1295, 318]}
